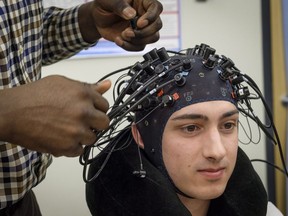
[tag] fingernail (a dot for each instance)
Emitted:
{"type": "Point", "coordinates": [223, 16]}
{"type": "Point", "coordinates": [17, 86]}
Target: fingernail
{"type": "Point", "coordinates": [129, 12]}
{"type": "Point", "coordinates": [103, 82]}
{"type": "Point", "coordinates": [130, 34]}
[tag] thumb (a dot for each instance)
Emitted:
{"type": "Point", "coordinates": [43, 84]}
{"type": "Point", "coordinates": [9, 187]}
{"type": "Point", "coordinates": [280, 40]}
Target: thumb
{"type": "Point", "coordinates": [103, 86]}
{"type": "Point", "coordinates": [122, 9]}
{"type": "Point", "coordinates": [128, 12]}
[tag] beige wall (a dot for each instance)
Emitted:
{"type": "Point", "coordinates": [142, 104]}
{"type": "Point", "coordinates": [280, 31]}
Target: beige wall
{"type": "Point", "coordinates": [232, 27]}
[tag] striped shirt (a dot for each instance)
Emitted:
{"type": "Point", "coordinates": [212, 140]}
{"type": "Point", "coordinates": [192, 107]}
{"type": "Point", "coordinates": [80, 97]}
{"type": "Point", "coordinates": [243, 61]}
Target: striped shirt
{"type": "Point", "coordinates": [30, 36]}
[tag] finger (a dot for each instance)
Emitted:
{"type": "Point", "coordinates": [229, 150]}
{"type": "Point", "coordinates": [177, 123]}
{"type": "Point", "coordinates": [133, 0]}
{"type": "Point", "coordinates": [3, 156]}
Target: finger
{"type": "Point", "coordinates": [128, 34]}
{"type": "Point", "coordinates": [98, 100]}
{"type": "Point", "coordinates": [74, 151]}
{"type": "Point", "coordinates": [121, 8]}
{"type": "Point", "coordinates": [136, 40]}
{"type": "Point", "coordinates": [153, 11]}
{"type": "Point", "coordinates": [90, 137]}
{"type": "Point", "coordinates": [98, 120]}
{"type": "Point", "coordinates": [130, 46]}
{"type": "Point", "coordinates": [137, 44]}
{"type": "Point", "coordinates": [150, 30]}
{"type": "Point", "coordinates": [77, 151]}
{"type": "Point", "coordinates": [128, 12]}
{"type": "Point", "coordinates": [102, 86]}
{"type": "Point", "coordinates": [100, 103]}
{"type": "Point", "coordinates": [146, 40]}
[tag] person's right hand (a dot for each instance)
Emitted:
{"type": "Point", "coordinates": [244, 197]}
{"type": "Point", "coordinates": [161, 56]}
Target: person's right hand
{"type": "Point", "coordinates": [53, 115]}
{"type": "Point", "coordinates": [111, 20]}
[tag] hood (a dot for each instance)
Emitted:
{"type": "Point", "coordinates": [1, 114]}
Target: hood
{"type": "Point", "coordinates": [117, 191]}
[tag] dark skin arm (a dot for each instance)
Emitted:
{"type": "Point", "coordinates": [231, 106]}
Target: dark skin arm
{"type": "Point", "coordinates": [110, 20]}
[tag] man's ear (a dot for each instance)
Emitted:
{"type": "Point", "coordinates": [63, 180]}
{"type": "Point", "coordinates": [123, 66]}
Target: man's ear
{"type": "Point", "coordinates": [137, 136]}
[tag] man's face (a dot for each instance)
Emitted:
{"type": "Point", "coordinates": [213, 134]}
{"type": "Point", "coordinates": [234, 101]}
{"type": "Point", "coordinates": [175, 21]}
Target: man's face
{"type": "Point", "coordinates": [199, 148]}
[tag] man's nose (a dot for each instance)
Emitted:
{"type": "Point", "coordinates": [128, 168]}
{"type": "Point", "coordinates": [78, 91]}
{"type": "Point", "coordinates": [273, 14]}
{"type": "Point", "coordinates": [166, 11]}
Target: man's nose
{"type": "Point", "coordinates": [213, 148]}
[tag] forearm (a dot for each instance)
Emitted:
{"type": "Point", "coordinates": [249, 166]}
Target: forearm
{"type": "Point", "coordinates": [9, 101]}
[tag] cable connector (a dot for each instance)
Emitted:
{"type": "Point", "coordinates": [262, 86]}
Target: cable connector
{"type": "Point", "coordinates": [133, 22]}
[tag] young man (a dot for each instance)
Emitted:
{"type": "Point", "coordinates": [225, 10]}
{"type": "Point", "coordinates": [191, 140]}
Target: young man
{"type": "Point", "coordinates": [184, 157]}
{"type": "Point", "coordinates": [55, 115]}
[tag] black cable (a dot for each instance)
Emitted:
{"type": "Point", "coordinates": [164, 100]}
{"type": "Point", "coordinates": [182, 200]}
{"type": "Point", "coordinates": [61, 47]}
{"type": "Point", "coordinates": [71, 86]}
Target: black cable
{"type": "Point", "coordinates": [111, 147]}
{"type": "Point", "coordinates": [154, 78]}
{"type": "Point", "coordinates": [271, 164]}
{"type": "Point", "coordinates": [114, 72]}
{"type": "Point", "coordinates": [252, 84]}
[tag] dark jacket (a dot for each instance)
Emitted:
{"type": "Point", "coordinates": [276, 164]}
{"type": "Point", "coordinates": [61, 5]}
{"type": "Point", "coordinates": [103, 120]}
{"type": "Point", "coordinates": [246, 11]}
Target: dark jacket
{"type": "Point", "coordinates": [118, 192]}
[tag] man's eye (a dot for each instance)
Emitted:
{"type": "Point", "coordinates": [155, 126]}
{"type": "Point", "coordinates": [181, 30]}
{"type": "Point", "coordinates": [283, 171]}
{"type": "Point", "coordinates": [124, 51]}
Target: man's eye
{"type": "Point", "coordinates": [229, 125]}
{"type": "Point", "coordinates": [191, 128]}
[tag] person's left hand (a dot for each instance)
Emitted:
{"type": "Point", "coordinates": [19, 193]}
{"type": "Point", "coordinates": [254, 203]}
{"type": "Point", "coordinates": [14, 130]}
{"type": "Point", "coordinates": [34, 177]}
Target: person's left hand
{"type": "Point", "coordinates": [111, 20]}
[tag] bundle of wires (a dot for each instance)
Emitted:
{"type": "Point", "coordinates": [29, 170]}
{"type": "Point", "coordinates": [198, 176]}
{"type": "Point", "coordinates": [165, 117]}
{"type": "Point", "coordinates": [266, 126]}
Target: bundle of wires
{"type": "Point", "coordinates": [139, 86]}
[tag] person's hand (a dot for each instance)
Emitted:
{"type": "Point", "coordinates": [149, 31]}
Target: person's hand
{"type": "Point", "coordinates": [111, 20]}
{"type": "Point", "coordinates": [53, 115]}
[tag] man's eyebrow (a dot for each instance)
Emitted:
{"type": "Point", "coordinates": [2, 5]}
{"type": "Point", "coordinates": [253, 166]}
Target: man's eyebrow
{"type": "Point", "coordinates": [190, 116]}
{"type": "Point", "coordinates": [230, 113]}
{"type": "Point", "coordinates": [200, 116]}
